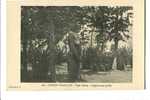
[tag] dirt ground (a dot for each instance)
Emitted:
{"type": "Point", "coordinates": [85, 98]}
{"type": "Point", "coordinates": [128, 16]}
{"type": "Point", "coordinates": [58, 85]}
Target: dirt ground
{"type": "Point", "coordinates": [114, 76]}
{"type": "Point", "coordinates": [108, 77]}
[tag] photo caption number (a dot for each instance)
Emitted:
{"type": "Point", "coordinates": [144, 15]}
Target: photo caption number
{"type": "Point", "coordinates": [15, 86]}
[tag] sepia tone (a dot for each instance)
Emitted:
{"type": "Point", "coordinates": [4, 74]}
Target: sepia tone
{"type": "Point", "coordinates": [90, 44]}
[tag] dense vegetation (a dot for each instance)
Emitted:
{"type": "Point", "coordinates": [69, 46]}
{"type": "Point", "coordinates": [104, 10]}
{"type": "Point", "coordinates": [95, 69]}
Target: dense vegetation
{"type": "Point", "coordinates": [43, 27]}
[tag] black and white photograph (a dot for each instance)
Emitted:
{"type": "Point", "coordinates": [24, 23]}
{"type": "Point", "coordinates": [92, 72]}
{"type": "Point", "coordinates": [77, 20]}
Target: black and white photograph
{"type": "Point", "coordinates": [85, 44]}
{"type": "Point", "coordinates": [74, 49]}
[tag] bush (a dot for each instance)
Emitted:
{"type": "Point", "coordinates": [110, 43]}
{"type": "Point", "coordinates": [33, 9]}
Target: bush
{"type": "Point", "coordinates": [89, 58]}
{"type": "Point", "coordinates": [104, 62]}
{"type": "Point", "coordinates": [97, 62]}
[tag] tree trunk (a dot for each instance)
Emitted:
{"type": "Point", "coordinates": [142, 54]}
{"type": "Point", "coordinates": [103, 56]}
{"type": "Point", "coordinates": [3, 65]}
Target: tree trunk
{"type": "Point", "coordinates": [116, 45]}
{"type": "Point", "coordinates": [52, 65]}
{"type": "Point", "coordinates": [74, 59]}
{"type": "Point", "coordinates": [91, 39]}
{"type": "Point", "coordinates": [24, 61]}
{"type": "Point", "coordinates": [114, 66]}
{"type": "Point", "coordinates": [102, 47]}
{"type": "Point", "coordinates": [51, 46]}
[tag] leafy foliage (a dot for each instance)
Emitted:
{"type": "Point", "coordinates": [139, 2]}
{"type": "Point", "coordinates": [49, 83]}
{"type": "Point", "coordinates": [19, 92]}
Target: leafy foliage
{"type": "Point", "coordinates": [42, 27]}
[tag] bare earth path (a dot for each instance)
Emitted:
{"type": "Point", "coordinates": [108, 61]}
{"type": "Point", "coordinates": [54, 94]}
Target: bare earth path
{"type": "Point", "coordinates": [108, 77]}
{"type": "Point", "coordinates": [114, 76]}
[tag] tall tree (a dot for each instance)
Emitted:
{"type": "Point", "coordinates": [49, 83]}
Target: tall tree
{"type": "Point", "coordinates": [102, 25]}
{"type": "Point", "coordinates": [26, 36]}
{"type": "Point", "coordinates": [98, 19]}
{"type": "Point", "coordinates": [50, 23]}
{"type": "Point", "coordinates": [119, 24]}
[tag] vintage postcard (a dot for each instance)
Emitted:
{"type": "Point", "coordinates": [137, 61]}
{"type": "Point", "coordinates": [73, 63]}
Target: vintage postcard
{"type": "Point", "coordinates": [75, 45]}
